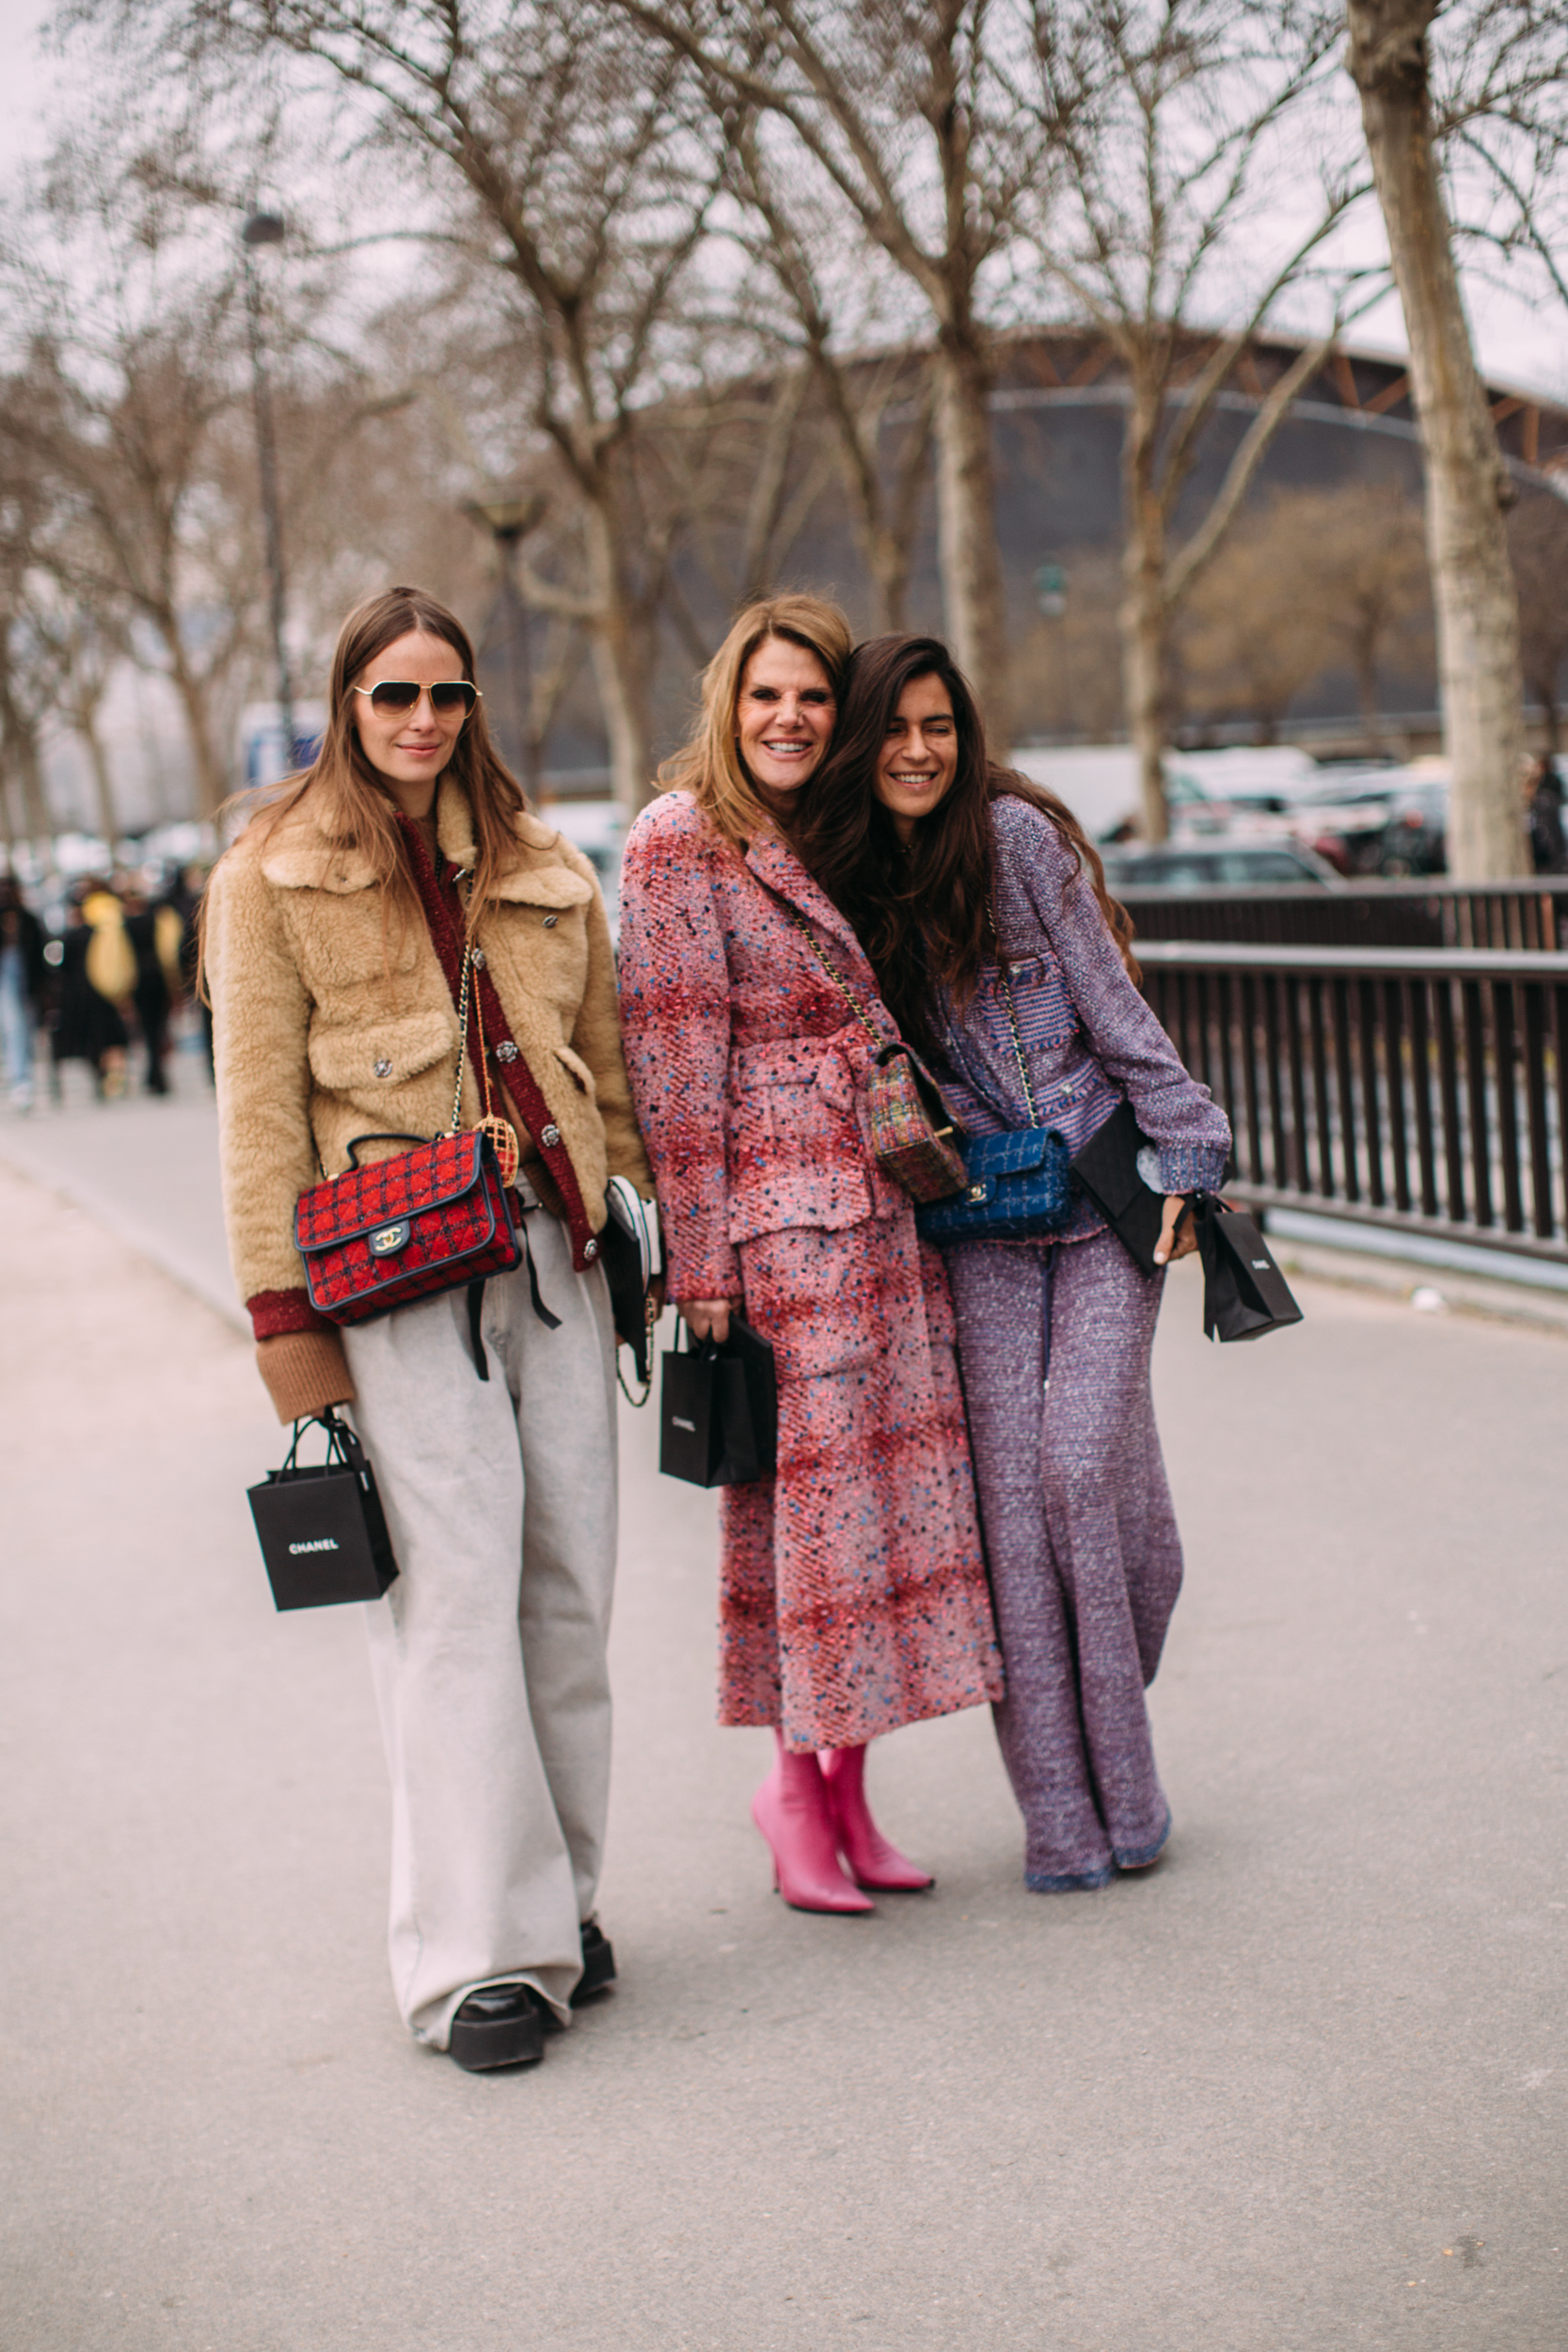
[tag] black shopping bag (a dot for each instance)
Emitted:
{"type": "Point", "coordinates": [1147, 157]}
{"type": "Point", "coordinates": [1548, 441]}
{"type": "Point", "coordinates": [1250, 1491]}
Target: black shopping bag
{"type": "Point", "coordinates": [1106, 1169]}
{"type": "Point", "coordinates": [718, 1409]}
{"type": "Point", "coordinates": [1244, 1294]}
{"type": "Point", "coordinates": [321, 1528]}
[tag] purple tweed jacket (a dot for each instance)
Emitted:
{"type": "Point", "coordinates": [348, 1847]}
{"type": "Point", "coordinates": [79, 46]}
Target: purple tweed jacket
{"type": "Point", "coordinates": [1089, 1039]}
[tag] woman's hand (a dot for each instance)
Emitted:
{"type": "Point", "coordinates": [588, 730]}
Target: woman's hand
{"type": "Point", "coordinates": [708, 1318]}
{"type": "Point", "coordinates": [1174, 1243]}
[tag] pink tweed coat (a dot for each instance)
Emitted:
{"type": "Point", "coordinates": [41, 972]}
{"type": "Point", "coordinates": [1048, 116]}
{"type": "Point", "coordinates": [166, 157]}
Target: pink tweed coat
{"type": "Point", "coordinates": [853, 1595]}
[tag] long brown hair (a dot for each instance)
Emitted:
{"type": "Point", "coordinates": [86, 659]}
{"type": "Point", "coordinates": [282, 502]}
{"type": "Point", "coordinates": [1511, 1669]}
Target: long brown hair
{"type": "Point", "coordinates": [921, 913]}
{"type": "Point", "coordinates": [349, 801]}
{"type": "Point", "coordinates": [709, 764]}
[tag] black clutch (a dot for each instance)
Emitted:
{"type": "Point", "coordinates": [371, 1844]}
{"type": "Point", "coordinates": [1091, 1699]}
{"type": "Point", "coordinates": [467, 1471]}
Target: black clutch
{"type": "Point", "coordinates": [322, 1528]}
{"type": "Point", "coordinates": [629, 1253]}
{"type": "Point", "coordinates": [1107, 1170]}
{"type": "Point", "coordinates": [1244, 1294]}
{"type": "Point", "coordinates": [718, 1409]}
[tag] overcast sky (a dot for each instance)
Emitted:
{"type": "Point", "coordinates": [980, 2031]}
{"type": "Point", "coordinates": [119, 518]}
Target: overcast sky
{"type": "Point", "coordinates": [1520, 343]}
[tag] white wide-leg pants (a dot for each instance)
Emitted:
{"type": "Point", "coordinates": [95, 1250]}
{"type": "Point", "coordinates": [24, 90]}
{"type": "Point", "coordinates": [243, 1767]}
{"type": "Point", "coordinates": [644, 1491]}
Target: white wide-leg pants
{"type": "Point", "coordinates": [488, 1651]}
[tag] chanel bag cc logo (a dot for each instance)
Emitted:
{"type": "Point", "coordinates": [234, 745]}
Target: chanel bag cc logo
{"type": "Point", "coordinates": [388, 1239]}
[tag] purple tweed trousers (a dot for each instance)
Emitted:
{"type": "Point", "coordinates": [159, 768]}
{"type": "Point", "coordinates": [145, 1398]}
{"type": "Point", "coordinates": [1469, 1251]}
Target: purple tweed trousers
{"type": "Point", "coordinates": [1086, 1561]}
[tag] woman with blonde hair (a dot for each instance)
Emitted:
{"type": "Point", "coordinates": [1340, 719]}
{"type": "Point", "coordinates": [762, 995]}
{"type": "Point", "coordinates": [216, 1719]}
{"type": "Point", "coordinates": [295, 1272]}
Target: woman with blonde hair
{"type": "Point", "coordinates": [336, 933]}
{"type": "Point", "coordinates": [852, 1593]}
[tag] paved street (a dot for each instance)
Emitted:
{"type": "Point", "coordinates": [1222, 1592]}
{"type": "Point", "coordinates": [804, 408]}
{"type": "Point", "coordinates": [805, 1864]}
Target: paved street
{"type": "Point", "coordinates": [1301, 2087]}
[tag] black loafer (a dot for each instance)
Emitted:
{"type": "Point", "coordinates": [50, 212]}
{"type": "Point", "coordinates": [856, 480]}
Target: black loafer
{"type": "Point", "coordinates": [598, 1965]}
{"type": "Point", "coordinates": [501, 2025]}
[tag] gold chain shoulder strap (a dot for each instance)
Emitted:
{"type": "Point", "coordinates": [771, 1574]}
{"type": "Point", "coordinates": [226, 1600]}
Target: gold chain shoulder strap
{"type": "Point", "coordinates": [843, 987]}
{"type": "Point", "coordinates": [1005, 978]}
{"type": "Point", "coordinates": [463, 988]}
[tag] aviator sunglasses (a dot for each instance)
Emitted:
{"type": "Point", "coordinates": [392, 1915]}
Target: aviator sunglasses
{"type": "Point", "coordinates": [401, 694]}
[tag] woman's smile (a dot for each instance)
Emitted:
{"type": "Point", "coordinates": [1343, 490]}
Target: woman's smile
{"type": "Point", "coordinates": [784, 716]}
{"type": "Point", "coordinates": [919, 758]}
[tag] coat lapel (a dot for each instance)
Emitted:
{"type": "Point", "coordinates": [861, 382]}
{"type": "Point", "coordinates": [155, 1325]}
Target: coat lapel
{"type": "Point", "coordinates": [776, 865]}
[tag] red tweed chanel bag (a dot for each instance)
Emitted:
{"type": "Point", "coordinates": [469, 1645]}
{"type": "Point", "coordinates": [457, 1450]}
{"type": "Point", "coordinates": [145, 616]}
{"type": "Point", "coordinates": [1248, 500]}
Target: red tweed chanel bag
{"type": "Point", "coordinates": [432, 1219]}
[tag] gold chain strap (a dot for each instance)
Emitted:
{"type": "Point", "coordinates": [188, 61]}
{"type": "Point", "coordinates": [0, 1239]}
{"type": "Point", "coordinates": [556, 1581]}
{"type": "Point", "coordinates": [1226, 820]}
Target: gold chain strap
{"type": "Point", "coordinates": [843, 987]}
{"type": "Point", "coordinates": [1006, 978]}
{"type": "Point", "coordinates": [463, 1010]}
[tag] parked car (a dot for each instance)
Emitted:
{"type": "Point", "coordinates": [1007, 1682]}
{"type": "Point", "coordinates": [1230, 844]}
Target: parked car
{"type": "Point", "coordinates": [1218, 864]}
{"type": "Point", "coordinates": [1388, 822]}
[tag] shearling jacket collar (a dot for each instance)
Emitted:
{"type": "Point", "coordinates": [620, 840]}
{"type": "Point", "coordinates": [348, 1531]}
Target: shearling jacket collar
{"type": "Point", "coordinates": [304, 855]}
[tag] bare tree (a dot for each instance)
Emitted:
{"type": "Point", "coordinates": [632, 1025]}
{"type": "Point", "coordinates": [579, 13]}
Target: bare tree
{"type": "Point", "coordinates": [866, 400]}
{"type": "Point", "coordinates": [554, 131]}
{"type": "Point", "coordinates": [896, 108]}
{"type": "Point", "coordinates": [110, 418]}
{"type": "Point", "coordinates": [1173, 124]}
{"type": "Point", "coordinates": [1537, 549]}
{"type": "Point", "coordinates": [1502, 91]}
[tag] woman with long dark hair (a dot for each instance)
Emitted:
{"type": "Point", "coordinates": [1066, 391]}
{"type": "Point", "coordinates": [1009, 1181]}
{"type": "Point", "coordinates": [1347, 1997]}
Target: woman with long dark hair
{"type": "Point", "coordinates": [852, 1593]}
{"type": "Point", "coordinates": [335, 933]}
{"type": "Point", "coordinates": [982, 905]}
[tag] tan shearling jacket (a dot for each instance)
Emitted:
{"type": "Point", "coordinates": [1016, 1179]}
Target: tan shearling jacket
{"type": "Point", "coordinates": [332, 1018]}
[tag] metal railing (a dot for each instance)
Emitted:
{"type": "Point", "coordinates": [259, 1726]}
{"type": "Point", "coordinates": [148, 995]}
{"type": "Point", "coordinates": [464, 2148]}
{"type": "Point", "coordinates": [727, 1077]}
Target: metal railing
{"type": "Point", "coordinates": [1527, 916]}
{"type": "Point", "coordinates": [1419, 1090]}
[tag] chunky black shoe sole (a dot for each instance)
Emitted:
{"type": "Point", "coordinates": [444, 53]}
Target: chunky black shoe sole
{"type": "Point", "coordinates": [599, 1966]}
{"type": "Point", "coordinates": [502, 2027]}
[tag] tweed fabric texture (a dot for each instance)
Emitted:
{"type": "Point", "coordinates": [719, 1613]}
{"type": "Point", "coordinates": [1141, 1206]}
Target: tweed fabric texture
{"type": "Point", "coordinates": [333, 1016]}
{"type": "Point", "coordinates": [1085, 1560]}
{"type": "Point", "coordinates": [852, 1592]}
{"type": "Point", "coordinates": [1089, 1038]}
{"type": "Point", "coordinates": [449, 1196]}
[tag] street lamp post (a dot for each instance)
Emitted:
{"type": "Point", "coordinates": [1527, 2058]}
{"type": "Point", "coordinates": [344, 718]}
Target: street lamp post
{"type": "Point", "coordinates": [509, 518]}
{"type": "Point", "coordinates": [268, 229]}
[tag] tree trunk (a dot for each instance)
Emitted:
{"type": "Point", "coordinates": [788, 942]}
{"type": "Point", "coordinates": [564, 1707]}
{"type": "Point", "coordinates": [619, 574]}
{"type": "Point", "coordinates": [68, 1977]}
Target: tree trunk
{"type": "Point", "coordinates": [212, 788]}
{"type": "Point", "coordinates": [974, 602]}
{"type": "Point", "coordinates": [619, 671]}
{"type": "Point", "coordinates": [1467, 486]}
{"type": "Point", "coordinates": [1142, 612]}
{"type": "Point", "coordinates": [102, 783]}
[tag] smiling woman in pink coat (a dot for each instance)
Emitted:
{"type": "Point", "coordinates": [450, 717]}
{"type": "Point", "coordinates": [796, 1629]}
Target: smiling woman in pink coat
{"type": "Point", "coordinates": [853, 1595]}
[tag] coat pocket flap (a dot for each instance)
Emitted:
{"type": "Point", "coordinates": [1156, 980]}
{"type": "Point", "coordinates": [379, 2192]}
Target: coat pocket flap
{"type": "Point", "coordinates": [545, 886]}
{"type": "Point", "coordinates": [384, 1053]}
{"type": "Point", "coordinates": [580, 1070]}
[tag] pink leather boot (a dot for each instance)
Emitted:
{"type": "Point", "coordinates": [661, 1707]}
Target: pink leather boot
{"type": "Point", "coordinates": [791, 1810]}
{"type": "Point", "coordinates": [873, 1861]}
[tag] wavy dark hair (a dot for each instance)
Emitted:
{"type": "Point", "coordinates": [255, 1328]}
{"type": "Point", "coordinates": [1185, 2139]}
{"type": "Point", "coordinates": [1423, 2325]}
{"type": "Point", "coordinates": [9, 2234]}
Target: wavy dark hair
{"type": "Point", "coordinates": [921, 911]}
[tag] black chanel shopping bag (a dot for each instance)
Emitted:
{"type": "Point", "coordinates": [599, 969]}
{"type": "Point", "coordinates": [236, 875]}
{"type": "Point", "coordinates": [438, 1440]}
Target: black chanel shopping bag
{"type": "Point", "coordinates": [718, 1409]}
{"type": "Point", "coordinates": [1244, 1294]}
{"type": "Point", "coordinates": [321, 1528]}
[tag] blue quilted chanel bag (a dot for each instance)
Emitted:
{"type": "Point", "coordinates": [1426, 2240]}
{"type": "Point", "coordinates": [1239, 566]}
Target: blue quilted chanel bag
{"type": "Point", "coordinates": [1019, 1185]}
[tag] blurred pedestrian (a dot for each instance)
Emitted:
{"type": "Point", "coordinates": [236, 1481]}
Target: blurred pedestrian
{"type": "Point", "coordinates": [996, 946]}
{"type": "Point", "coordinates": [852, 1592]}
{"type": "Point", "coordinates": [97, 972]}
{"type": "Point", "coordinates": [1543, 799]}
{"type": "Point", "coordinates": [154, 933]}
{"type": "Point", "coordinates": [337, 932]}
{"type": "Point", "coordinates": [22, 973]}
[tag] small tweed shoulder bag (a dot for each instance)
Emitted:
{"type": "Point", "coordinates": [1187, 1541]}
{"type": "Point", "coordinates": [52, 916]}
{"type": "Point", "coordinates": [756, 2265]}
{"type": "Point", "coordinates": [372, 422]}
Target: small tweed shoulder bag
{"type": "Point", "coordinates": [1019, 1186]}
{"type": "Point", "coordinates": [439, 1218]}
{"type": "Point", "coordinates": [911, 1135]}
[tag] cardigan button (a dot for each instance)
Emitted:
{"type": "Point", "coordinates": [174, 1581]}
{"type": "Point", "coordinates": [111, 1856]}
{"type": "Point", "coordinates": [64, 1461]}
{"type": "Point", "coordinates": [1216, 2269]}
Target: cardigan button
{"type": "Point", "coordinates": [590, 1249]}
{"type": "Point", "coordinates": [478, 959]}
{"type": "Point", "coordinates": [383, 1067]}
{"type": "Point", "coordinates": [506, 1051]}
{"type": "Point", "coordinates": [551, 1137]}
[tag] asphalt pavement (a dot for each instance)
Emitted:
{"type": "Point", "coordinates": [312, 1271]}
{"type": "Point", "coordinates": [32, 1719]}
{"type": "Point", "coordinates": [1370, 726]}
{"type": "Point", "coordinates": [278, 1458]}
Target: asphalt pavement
{"type": "Point", "coordinates": [1301, 2086]}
